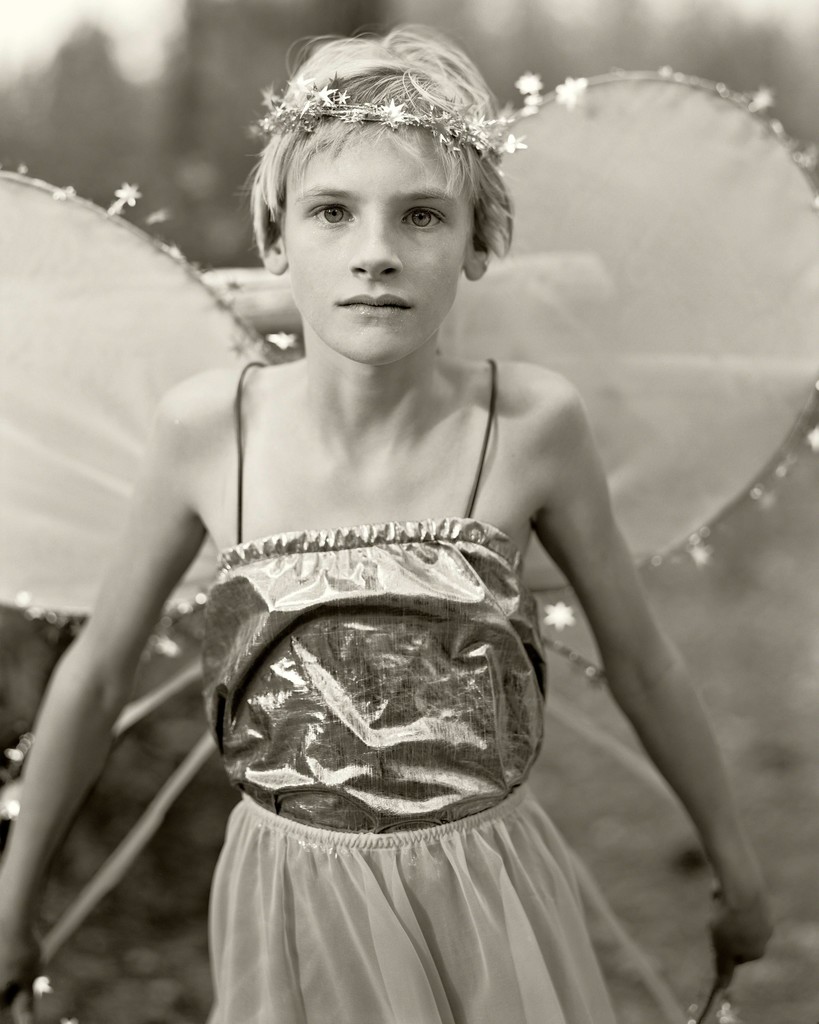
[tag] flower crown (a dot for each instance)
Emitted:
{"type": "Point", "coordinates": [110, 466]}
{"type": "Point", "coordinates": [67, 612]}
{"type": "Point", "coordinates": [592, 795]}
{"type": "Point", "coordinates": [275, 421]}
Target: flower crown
{"type": "Point", "coordinates": [304, 104]}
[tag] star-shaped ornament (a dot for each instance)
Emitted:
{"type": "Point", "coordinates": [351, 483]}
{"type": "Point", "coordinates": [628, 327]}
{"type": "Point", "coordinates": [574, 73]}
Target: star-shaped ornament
{"type": "Point", "coordinates": [166, 646]}
{"type": "Point", "coordinates": [529, 84]}
{"type": "Point", "coordinates": [477, 123]}
{"type": "Point", "coordinates": [513, 144]}
{"type": "Point", "coordinates": [572, 92]}
{"type": "Point", "coordinates": [158, 216]}
{"type": "Point", "coordinates": [327, 95]}
{"type": "Point", "coordinates": [302, 87]}
{"type": "Point", "coordinates": [701, 554]}
{"type": "Point", "coordinates": [41, 986]}
{"type": "Point", "coordinates": [173, 251]}
{"type": "Point", "coordinates": [270, 97]}
{"type": "Point", "coordinates": [393, 113]}
{"type": "Point", "coordinates": [531, 105]}
{"type": "Point", "coordinates": [126, 195]}
{"type": "Point", "coordinates": [334, 85]}
{"type": "Point", "coordinates": [559, 615]}
{"type": "Point", "coordinates": [762, 99]}
{"type": "Point", "coordinates": [507, 114]}
{"type": "Point", "coordinates": [9, 804]}
{"type": "Point", "coordinates": [281, 340]}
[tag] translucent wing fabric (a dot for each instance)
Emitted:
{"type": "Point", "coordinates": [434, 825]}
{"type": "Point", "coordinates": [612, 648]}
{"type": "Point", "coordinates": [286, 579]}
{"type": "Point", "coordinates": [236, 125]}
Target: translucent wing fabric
{"type": "Point", "coordinates": [97, 322]}
{"type": "Point", "coordinates": [666, 260]}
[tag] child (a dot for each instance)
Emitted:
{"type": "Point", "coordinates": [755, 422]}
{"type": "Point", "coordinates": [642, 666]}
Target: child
{"type": "Point", "coordinates": [373, 671]}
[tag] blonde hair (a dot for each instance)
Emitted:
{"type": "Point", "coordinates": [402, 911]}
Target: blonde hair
{"type": "Point", "coordinates": [410, 65]}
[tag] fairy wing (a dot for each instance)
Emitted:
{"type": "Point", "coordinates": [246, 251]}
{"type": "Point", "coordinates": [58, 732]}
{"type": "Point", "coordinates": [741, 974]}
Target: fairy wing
{"type": "Point", "coordinates": [98, 320]}
{"type": "Point", "coordinates": [666, 261]}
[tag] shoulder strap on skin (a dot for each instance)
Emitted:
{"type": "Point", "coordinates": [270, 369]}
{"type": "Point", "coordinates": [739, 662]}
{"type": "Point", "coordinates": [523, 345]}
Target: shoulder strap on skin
{"type": "Point", "coordinates": [493, 372]}
{"type": "Point", "coordinates": [237, 415]}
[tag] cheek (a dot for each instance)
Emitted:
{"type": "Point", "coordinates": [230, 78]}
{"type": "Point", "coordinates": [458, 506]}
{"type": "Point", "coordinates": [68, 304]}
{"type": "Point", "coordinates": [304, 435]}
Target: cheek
{"type": "Point", "coordinates": [442, 260]}
{"type": "Point", "coordinates": [309, 266]}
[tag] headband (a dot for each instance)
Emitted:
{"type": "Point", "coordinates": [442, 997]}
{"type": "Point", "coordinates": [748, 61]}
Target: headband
{"type": "Point", "coordinates": [303, 105]}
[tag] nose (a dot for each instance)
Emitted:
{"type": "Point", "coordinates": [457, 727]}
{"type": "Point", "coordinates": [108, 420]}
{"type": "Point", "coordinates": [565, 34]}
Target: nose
{"type": "Point", "coordinates": [376, 254]}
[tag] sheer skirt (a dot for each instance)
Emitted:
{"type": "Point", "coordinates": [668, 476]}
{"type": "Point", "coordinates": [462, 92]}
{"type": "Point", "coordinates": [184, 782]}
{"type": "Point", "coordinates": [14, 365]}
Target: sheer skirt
{"type": "Point", "coordinates": [474, 922]}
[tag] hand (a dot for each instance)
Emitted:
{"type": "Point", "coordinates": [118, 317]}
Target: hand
{"type": "Point", "coordinates": [20, 963]}
{"type": "Point", "coordinates": [739, 932]}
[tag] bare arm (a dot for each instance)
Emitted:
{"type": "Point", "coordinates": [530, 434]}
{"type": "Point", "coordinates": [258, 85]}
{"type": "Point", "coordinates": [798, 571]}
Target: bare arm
{"type": "Point", "coordinates": [646, 674]}
{"type": "Point", "coordinates": [93, 680]}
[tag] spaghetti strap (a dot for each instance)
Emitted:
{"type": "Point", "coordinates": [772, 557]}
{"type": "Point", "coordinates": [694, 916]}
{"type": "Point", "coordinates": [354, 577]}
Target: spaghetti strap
{"type": "Point", "coordinates": [237, 414]}
{"type": "Point", "coordinates": [489, 421]}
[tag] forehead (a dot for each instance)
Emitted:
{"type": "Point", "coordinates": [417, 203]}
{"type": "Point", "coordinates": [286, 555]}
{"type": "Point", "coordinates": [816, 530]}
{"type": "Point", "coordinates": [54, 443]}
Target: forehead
{"type": "Point", "coordinates": [378, 158]}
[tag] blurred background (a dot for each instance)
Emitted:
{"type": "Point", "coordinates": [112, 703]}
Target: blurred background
{"type": "Point", "coordinates": [94, 93]}
{"type": "Point", "coordinates": [159, 94]}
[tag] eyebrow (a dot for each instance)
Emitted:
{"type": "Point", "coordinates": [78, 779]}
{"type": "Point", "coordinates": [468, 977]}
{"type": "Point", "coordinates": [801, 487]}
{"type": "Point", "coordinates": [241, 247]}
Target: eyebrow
{"type": "Point", "coordinates": [422, 195]}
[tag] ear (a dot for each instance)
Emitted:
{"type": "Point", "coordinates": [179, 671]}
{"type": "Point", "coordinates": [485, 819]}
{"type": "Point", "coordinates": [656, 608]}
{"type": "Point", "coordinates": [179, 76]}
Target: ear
{"type": "Point", "coordinates": [475, 263]}
{"type": "Point", "coordinates": [275, 257]}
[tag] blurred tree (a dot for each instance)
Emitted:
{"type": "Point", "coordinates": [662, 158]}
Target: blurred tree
{"type": "Point", "coordinates": [183, 138]}
{"type": "Point", "coordinates": [504, 39]}
{"type": "Point", "coordinates": [225, 55]}
{"type": "Point", "coordinates": [83, 121]}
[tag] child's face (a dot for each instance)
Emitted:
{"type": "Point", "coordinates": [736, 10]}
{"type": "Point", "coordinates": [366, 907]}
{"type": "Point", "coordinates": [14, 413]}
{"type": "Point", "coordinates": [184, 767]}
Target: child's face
{"type": "Point", "coordinates": [375, 221]}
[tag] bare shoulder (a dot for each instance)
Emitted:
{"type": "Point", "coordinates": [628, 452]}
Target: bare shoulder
{"type": "Point", "coordinates": [200, 410]}
{"type": "Point", "coordinates": [544, 434]}
{"type": "Point", "coordinates": [193, 427]}
{"type": "Point", "coordinates": [541, 403]}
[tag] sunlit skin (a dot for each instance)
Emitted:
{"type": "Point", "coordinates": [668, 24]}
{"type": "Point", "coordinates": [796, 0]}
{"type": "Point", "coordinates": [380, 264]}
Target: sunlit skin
{"type": "Point", "coordinates": [375, 220]}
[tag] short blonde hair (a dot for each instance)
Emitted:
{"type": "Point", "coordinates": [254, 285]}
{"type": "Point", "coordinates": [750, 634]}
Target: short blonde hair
{"type": "Point", "coordinates": [410, 65]}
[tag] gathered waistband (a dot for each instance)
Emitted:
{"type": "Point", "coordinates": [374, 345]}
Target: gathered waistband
{"type": "Point", "coordinates": [332, 839]}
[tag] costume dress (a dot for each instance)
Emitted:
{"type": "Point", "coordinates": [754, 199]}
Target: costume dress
{"type": "Point", "coordinates": [376, 693]}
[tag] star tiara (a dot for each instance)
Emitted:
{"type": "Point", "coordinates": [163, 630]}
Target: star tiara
{"type": "Point", "coordinates": [303, 105]}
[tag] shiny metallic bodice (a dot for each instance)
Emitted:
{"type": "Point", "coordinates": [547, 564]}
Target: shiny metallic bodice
{"type": "Point", "coordinates": [376, 677]}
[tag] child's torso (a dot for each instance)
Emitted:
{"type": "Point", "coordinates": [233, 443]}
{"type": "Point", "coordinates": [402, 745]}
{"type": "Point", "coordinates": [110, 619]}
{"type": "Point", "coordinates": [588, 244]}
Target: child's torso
{"type": "Point", "coordinates": [289, 485]}
{"type": "Point", "coordinates": [375, 677]}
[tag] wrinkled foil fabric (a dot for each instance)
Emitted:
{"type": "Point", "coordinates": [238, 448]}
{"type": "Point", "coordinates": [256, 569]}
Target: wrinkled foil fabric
{"type": "Point", "coordinates": [376, 677]}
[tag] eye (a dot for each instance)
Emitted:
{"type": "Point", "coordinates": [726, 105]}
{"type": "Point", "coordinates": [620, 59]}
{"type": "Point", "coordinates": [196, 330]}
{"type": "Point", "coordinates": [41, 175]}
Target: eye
{"type": "Point", "coordinates": [423, 218]}
{"type": "Point", "coordinates": [332, 214]}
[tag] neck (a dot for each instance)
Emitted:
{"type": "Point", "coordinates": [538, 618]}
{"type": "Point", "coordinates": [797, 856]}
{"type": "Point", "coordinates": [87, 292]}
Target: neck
{"type": "Point", "coordinates": [355, 406]}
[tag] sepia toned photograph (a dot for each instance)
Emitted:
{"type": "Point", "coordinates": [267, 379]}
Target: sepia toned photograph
{"type": "Point", "coordinates": [409, 550]}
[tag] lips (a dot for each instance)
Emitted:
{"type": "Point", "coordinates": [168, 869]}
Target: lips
{"type": "Point", "coordinates": [377, 301]}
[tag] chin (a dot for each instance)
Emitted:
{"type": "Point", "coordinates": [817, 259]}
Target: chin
{"type": "Point", "coordinates": [370, 350]}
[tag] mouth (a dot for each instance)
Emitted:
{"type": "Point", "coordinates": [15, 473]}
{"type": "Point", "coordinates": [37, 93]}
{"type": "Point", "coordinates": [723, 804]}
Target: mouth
{"type": "Point", "coordinates": [375, 302]}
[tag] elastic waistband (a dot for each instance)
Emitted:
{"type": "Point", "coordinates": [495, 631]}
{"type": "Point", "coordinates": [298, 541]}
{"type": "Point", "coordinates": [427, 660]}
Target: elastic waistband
{"type": "Point", "coordinates": [331, 839]}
